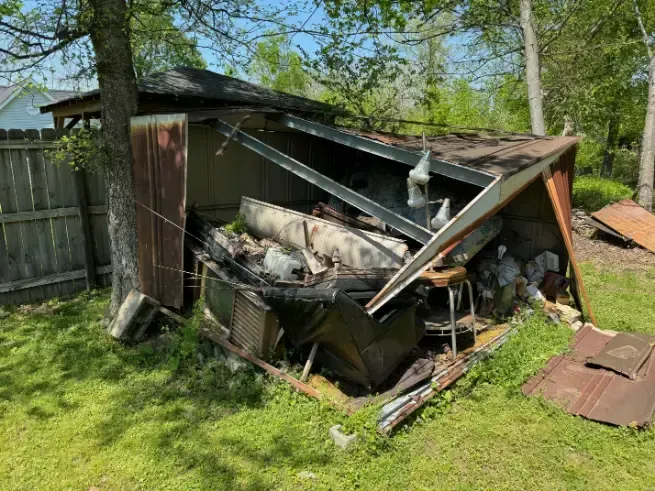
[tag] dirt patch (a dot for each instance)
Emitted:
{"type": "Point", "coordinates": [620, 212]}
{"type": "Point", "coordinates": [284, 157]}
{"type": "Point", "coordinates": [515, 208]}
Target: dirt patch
{"type": "Point", "coordinates": [589, 246]}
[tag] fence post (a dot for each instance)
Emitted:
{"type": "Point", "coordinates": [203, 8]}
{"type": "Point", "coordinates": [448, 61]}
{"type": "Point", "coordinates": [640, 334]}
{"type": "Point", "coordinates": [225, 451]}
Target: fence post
{"type": "Point", "coordinates": [89, 264]}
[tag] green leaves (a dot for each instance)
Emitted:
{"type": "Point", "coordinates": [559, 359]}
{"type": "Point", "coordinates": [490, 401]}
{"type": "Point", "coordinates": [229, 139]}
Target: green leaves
{"type": "Point", "coordinates": [82, 149]}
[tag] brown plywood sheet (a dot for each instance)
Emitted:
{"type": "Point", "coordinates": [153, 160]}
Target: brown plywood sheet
{"type": "Point", "coordinates": [625, 353]}
{"type": "Point", "coordinates": [631, 220]}
{"type": "Point", "coordinates": [592, 392]}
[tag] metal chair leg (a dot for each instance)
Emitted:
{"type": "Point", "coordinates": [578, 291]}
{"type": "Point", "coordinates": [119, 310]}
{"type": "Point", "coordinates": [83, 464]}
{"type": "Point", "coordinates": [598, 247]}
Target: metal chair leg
{"type": "Point", "coordinates": [474, 325]}
{"type": "Point", "coordinates": [453, 321]}
{"type": "Point", "coordinates": [460, 291]}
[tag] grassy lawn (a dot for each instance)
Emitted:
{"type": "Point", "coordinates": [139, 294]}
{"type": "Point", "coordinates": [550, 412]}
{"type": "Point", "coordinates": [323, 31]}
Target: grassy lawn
{"type": "Point", "coordinates": [79, 411]}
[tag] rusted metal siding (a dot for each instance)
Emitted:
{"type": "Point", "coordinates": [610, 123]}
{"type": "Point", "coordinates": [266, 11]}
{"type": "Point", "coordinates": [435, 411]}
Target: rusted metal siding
{"type": "Point", "coordinates": [596, 393]}
{"type": "Point", "coordinates": [558, 179]}
{"type": "Point", "coordinates": [159, 145]}
{"type": "Point", "coordinates": [216, 184]}
{"type": "Point", "coordinates": [631, 220]}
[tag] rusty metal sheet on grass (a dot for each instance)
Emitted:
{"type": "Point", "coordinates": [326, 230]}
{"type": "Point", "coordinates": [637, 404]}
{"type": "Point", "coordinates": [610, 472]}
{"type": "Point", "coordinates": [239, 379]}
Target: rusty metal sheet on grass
{"type": "Point", "coordinates": [592, 392]}
{"type": "Point", "coordinates": [625, 353]}
{"type": "Point", "coordinates": [631, 220]}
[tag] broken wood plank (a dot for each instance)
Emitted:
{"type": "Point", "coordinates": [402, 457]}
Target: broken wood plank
{"type": "Point", "coordinates": [297, 384]}
{"type": "Point", "coordinates": [168, 313]}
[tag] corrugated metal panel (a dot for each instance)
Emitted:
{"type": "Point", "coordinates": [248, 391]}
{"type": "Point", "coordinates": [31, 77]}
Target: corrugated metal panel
{"type": "Point", "coordinates": [216, 184]}
{"type": "Point", "coordinates": [631, 220]}
{"type": "Point", "coordinates": [558, 179]}
{"type": "Point", "coordinates": [159, 145]}
{"type": "Point", "coordinates": [358, 249]}
{"type": "Point", "coordinates": [596, 393]}
{"type": "Point", "coordinates": [625, 353]}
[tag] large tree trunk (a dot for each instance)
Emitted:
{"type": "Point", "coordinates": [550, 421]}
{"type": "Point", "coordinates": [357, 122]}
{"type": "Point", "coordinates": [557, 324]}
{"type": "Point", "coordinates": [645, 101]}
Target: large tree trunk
{"type": "Point", "coordinates": [111, 43]}
{"type": "Point", "coordinates": [647, 162]}
{"type": "Point", "coordinates": [610, 146]}
{"type": "Point", "coordinates": [532, 69]}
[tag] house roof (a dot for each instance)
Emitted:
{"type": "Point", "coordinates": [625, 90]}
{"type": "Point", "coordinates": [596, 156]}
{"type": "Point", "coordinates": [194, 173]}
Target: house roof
{"type": "Point", "coordinates": [209, 88]}
{"type": "Point", "coordinates": [8, 92]}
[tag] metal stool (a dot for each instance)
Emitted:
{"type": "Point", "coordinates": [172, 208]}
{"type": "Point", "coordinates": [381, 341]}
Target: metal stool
{"type": "Point", "coordinates": [453, 279]}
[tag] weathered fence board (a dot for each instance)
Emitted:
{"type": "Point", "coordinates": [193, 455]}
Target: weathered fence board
{"type": "Point", "coordinates": [42, 242]}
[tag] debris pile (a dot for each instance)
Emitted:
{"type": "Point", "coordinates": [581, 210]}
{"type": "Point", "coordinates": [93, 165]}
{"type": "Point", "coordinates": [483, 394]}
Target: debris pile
{"type": "Point", "coordinates": [506, 284]}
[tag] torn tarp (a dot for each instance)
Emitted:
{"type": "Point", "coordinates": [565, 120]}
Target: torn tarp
{"type": "Point", "coordinates": [352, 344]}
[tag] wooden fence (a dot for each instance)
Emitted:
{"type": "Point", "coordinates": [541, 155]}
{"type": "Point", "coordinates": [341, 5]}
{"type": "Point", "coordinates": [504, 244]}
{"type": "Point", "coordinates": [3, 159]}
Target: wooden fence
{"type": "Point", "coordinates": [53, 222]}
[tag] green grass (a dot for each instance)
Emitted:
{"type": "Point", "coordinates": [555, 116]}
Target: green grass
{"type": "Point", "coordinates": [78, 410]}
{"type": "Point", "coordinates": [592, 193]}
{"type": "Point", "coordinates": [622, 301]}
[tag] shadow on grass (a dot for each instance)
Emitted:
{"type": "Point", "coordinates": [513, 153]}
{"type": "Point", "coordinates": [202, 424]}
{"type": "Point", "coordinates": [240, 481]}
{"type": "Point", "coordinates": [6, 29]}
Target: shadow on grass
{"type": "Point", "coordinates": [50, 365]}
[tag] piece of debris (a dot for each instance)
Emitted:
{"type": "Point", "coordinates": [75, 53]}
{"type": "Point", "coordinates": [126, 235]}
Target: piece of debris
{"type": "Point", "coordinates": [307, 475]}
{"type": "Point", "coordinates": [625, 353]}
{"type": "Point", "coordinates": [340, 439]}
{"type": "Point", "coordinates": [576, 325]}
{"type": "Point", "coordinates": [596, 393]}
{"type": "Point", "coordinates": [630, 220]}
{"type": "Point", "coordinates": [359, 249]}
{"type": "Point", "coordinates": [566, 314]}
{"type": "Point", "coordinates": [134, 316]}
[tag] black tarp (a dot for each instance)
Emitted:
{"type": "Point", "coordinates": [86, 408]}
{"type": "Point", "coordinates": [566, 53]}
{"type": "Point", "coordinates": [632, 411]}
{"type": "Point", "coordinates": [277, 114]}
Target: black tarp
{"type": "Point", "coordinates": [352, 344]}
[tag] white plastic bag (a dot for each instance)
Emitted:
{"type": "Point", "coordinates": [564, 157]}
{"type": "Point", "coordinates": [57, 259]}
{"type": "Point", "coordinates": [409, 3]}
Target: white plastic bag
{"type": "Point", "coordinates": [421, 173]}
{"type": "Point", "coordinates": [443, 216]}
{"type": "Point", "coordinates": [416, 198]}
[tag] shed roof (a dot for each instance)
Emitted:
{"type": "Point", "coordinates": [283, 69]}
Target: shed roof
{"type": "Point", "coordinates": [208, 87]}
{"type": "Point", "coordinates": [498, 155]}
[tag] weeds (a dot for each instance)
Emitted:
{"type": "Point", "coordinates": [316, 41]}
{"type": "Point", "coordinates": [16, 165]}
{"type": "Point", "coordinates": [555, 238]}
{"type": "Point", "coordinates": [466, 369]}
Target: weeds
{"type": "Point", "coordinates": [238, 226]}
{"type": "Point", "coordinates": [593, 193]}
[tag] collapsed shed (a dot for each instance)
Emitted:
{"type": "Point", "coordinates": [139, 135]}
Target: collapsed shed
{"type": "Point", "coordinates": [207, 147]}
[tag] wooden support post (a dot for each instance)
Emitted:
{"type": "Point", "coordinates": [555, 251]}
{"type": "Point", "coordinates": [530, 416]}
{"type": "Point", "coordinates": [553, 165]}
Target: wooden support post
{"type": "Point", "coordinates": [89, 262]}
{"type": "Point", "coordinates": [309, 363]}
{"type": "Point", "coordinates": [71, 124]}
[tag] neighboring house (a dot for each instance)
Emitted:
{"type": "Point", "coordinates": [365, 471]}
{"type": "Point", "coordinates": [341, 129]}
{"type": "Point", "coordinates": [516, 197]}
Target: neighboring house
{"type": "Point", "coordinates": [19, 106]}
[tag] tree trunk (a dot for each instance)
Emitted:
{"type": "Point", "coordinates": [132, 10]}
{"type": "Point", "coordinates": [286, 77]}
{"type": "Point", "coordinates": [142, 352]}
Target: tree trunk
{"type": "Point", "coordinates": [647, 162]}
{"type": "Point", "coordinates": [610, 146]}
{"type": "Point", "coordinates": [532, 69]}
{"type": "Point", "coordinates": [111, 43]}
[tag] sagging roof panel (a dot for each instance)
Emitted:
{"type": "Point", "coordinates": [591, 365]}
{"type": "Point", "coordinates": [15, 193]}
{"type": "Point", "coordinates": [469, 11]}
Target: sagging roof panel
{"type": "Point", "coordinates": [499, 155]}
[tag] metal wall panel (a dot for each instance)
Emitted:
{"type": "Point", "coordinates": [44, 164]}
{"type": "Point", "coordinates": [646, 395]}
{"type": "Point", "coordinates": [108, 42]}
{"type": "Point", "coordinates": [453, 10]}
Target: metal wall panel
{"type": "Point", "coordinates": [530, 226]}
{"type": "Point", "coordinates": [159, 144]}
{"type": "Point", "coordinates": [216, 184]}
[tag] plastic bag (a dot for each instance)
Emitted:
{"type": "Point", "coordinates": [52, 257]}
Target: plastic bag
{"type": "Point", "coordinates": [443, 215]}
{"type": "Point", "coordinates": [421, 173]}
{"type": "Point", "coordinates": [416, 198]}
